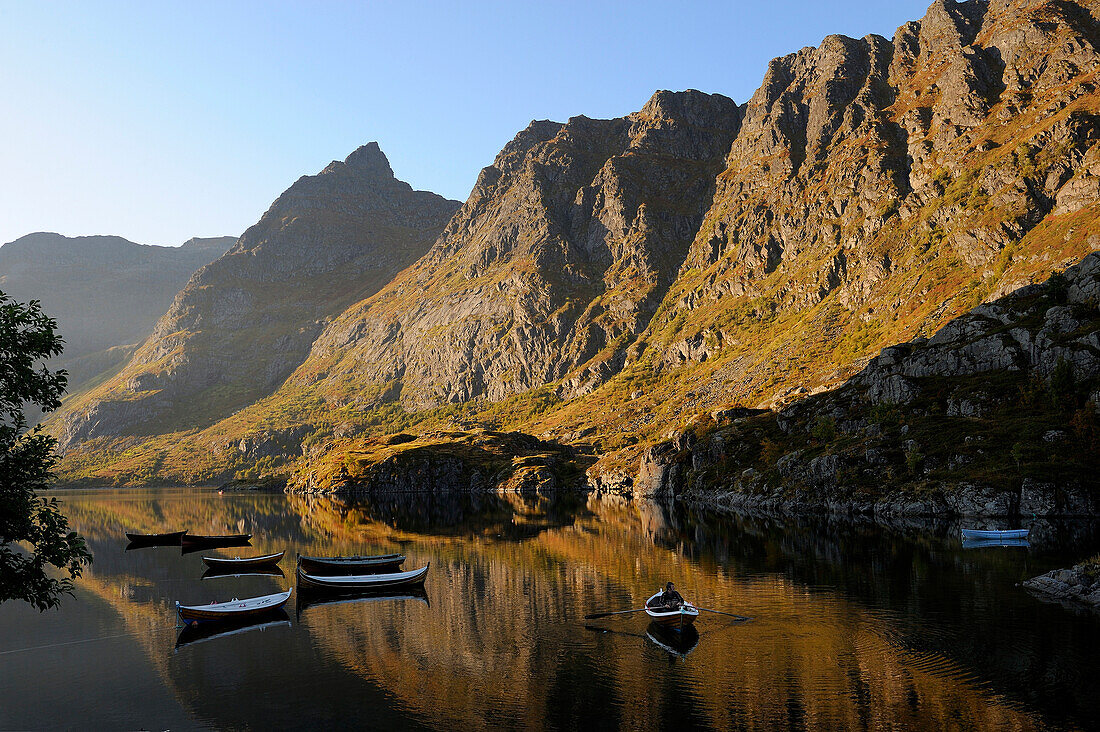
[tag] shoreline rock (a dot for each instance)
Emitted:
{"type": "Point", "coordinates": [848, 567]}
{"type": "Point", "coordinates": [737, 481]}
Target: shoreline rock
{"type": "Point", "coordinates": [1075, 588]}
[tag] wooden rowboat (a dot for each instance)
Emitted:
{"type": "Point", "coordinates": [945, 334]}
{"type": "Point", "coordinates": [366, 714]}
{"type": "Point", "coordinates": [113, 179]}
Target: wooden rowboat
{"type": "Point", "coordinates": [1007, 534]}
{"type": "Point", "coordinates": [358, 582]}
{"type": "Point", "coordinates": [351, 565]}
{"type": "Point", "coordinates": [672, 619]}
{"type": "Point", "coordinates": [172, 538]}
{"type": "Point", "coordinates": [234, 609]}
{"type": "Point", "coordinates": [223, 564]}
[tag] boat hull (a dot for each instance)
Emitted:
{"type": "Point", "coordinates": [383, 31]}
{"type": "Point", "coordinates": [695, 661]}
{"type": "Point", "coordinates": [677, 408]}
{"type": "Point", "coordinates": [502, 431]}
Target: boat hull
{"type": "Point", "coordinates": [233, 610]}
{"type": "Point", "coordinates": [351, 565]}
{"type": "Point", "coordinates": [173, 538]}
{"type": "Point", "coordinates": [1008, 534]}
{"type": "Point", "coordinates": [223, 564]}
{"type": "Point", "coordinates": [675, 620]}
{"type": "Point", "coordinates": [358, 583]}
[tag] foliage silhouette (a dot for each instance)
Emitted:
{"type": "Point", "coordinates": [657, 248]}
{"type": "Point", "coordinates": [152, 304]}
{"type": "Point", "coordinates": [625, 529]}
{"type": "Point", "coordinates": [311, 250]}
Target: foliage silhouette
{"type": "Point", "coordinates": [34, 534]}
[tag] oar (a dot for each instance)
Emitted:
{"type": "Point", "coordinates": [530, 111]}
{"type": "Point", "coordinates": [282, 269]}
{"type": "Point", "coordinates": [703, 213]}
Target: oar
{"type": "Point", "coordinates": [719, 612]}
{"type": "Point", "coordinates": [619, 612]}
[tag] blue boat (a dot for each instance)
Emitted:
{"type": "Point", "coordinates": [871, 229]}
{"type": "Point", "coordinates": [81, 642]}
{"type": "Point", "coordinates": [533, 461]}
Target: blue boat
{"type": "Point", "coordinates": [1007, 534]}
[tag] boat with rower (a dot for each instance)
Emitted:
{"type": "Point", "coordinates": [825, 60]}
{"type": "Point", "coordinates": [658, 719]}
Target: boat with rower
{"type": "Point", "coordinates": [356, 582]}
{"type": "Point", "coordinates": [675, 618]}
{"type": "Point", "coordinates": [233, 610]}
{"type": "Point", "coordinates": [351, 565]}
{"type": "Point", "coordinates": [1006, 534]}
{"type": "Point", "coordinates": [223, 564]}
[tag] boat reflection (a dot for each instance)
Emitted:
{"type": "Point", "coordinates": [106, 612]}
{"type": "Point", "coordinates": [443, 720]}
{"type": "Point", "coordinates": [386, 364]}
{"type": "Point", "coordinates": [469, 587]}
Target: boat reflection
{"type": "Point", "coordinates": [675, 643]}
{"type": "Point", "coordinates": [194, 634]}
{"type": "Point", "coordinates": [313, 598]}
{"type": "Point", "coordinates": [986, 543]}
{"type": "Point", "coordinates": [255, 572]}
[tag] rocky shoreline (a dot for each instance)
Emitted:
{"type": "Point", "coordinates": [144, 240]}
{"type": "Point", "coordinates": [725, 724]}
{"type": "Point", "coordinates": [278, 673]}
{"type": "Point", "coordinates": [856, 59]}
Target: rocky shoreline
{"type": "Point", "coordinates": [1075, 588]}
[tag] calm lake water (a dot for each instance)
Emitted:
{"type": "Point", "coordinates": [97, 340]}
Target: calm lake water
{"type": "Point", "coordinates": [855, 626]}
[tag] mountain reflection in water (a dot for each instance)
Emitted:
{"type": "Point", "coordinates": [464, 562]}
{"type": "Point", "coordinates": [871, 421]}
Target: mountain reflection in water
{"type": "Point", "coordinates": [854, 625]}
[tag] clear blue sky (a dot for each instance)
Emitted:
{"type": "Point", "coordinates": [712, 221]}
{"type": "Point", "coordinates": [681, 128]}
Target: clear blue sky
{"type": "Point", "coordinates": [160, 121]}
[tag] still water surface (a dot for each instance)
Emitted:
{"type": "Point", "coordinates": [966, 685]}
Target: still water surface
{"type": "Point", "coordinates": [855, 626]}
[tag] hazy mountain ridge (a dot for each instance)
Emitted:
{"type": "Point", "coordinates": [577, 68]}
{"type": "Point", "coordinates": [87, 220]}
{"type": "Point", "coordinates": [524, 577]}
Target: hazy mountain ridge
{"type": "Point", "coordinates": [105, 292]}
{"type": "Point", "coordinates": [608, 280]}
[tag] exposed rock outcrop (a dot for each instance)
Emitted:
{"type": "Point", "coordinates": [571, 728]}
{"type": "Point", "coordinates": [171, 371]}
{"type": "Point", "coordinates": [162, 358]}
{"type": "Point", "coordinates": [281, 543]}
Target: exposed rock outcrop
{"type": "Point", "coordinates": [450, 462]}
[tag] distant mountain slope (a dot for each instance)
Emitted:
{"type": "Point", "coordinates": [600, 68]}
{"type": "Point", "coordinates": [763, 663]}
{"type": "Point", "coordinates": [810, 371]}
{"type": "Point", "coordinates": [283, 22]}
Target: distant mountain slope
{"type": "Point", "coordinates": [105, 292]}
{"type": "Point", "coordinates": [244, 322]}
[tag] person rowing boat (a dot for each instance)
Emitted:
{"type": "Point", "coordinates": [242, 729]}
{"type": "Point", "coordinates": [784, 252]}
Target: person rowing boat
{"type": "Point", "coordinates": [670, 599]}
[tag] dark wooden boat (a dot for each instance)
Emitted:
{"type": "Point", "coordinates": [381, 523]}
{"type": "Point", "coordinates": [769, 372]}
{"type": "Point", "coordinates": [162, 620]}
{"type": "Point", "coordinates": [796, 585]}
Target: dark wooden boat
{"type": "Point", "coordinates": [225, 564]}
{"type": "Point", "coordinates": [351, 565]}
{"type": "Point", "coordinates": [676, 619]}
{"type": "Point", "coordinates": [171, 538]}
{"type": "Point", "coordinates": [233, 610]}
{"type": "Point", "coordinates": [193, 634]}
{"type": "Point", "coordinates": [358, 582]}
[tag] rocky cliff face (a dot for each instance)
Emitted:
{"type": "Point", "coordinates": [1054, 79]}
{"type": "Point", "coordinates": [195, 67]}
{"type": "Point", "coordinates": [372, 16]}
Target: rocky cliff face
{"type": "Point", "coordinates": [877, 188]}
{"type": "Point", "coordinates": [997, 414]}
{"type": "Point", "coordinates": [105, 292]}
{"type": "Point", "coordinates": [244, 322]}
{"type": "Point", "coordinates": [558, 259]}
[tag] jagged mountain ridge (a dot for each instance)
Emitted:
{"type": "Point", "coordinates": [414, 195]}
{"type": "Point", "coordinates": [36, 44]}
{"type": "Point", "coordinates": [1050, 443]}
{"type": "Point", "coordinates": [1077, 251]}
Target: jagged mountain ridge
{"type": "Point", "coordinates": [566, 244]}
{"type": "Point", "coordinates": [244, 322]}
{"type": "Point", "coordinates": [870, 191]}
{"type": "Point", "coordinates": [105, 292]}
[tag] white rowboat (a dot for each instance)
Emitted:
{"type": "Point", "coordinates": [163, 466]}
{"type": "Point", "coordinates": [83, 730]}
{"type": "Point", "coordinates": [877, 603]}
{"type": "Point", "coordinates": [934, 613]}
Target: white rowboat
{"type": "Point", "coordinates": [233, 610]}
{"type": "Point", "coordinates": [678, 619]}
{"type": "Point", "coordinates": [362, 581]}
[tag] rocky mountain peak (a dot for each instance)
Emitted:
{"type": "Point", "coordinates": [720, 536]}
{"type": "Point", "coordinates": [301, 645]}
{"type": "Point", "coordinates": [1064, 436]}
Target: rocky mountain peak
{"type": "Point", "coordinates": [369, 161]}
